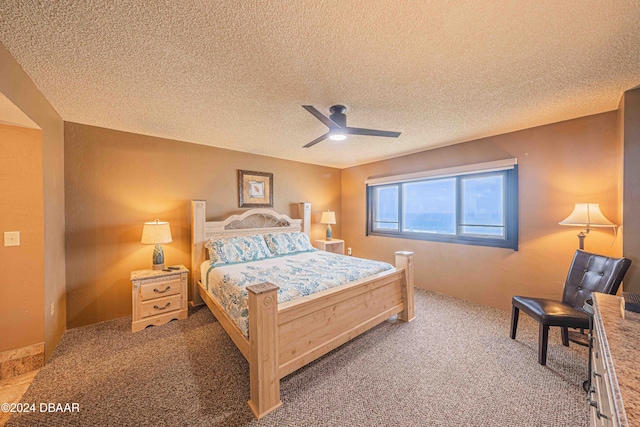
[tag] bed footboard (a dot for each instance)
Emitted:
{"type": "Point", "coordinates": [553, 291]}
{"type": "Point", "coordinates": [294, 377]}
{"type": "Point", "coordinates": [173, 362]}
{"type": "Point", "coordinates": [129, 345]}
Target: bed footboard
{"type": "Point", "coordinates": [404, 260]}
{"type": "Point", "coordinates": [283, 339]}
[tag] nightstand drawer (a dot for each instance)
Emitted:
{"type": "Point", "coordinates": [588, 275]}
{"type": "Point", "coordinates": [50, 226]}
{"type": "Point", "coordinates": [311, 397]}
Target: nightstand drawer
{"type": "Point", "coordinates": [159, 290]}
{"type": "Point", "coordinates": [160, 306]}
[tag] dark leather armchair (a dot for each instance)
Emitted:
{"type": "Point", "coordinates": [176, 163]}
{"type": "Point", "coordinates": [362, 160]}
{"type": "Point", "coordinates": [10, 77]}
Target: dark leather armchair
{"type": "Point", "coordinates": [588, 273]}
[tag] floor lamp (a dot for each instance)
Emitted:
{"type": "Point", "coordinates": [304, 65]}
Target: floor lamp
{"type": "Point", "coordinates": [587, 216]}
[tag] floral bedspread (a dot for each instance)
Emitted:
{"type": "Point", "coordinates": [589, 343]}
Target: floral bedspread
{"type": "Point", "coordinates": [297, 275]}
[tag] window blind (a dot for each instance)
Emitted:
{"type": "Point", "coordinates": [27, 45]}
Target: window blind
{"type": "Point", "coordinates": [498, 165]}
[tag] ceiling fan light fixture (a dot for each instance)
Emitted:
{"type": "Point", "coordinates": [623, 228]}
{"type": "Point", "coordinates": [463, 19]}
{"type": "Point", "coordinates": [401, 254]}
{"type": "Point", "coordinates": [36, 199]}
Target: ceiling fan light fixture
{"type": "Point", "coordinates": [337, 124]}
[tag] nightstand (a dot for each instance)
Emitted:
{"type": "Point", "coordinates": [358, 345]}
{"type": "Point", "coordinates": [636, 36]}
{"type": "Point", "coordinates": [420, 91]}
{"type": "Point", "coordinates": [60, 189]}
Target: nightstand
{"type": "Point", "coordinates": [335, 246]}
{"type": "Point", "coordinates": [158, 297]}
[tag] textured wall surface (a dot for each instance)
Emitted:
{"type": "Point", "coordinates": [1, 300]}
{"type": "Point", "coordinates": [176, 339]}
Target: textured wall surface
{"type": "Point", "coordinates": [18, 88]}
{"type": "Point", "coordinates": [559, 165]}
{"type": "Point", "coordinates": [115, 181]}
{"type": "Point", "coordinates": [630, 114]}
{"type": "Point", "coordinates": [22, 272]}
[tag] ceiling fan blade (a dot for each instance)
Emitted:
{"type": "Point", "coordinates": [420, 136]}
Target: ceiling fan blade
{"type": "Point", "coordinates": [371, 132]}
{"type": "Point", "coordinates": [318, 139]}
{"type": "Point", "coordinates": [318, 115]}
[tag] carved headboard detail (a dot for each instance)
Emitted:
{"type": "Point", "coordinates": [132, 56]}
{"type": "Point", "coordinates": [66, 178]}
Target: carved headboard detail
{"type": "Point", "coordinates": [261, 220]}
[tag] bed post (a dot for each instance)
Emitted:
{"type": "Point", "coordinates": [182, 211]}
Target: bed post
{"type": "Point", "coordinates": [304, 211]}
{"type": "Point", "coordinates": [264, 375]}
{"type": "Point", "coordinates": [198, 219]}
{"type": "Point", "coordinates": [404, 259]}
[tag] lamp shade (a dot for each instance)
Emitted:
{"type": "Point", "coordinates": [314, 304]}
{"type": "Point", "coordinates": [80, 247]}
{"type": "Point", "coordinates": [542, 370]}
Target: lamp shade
{"type": "Point", "coordinates": [156, 232]}
{"type": "Point", "coordinates": [328, 217]}
{"type": "Point", "coordinates": [587, 215]}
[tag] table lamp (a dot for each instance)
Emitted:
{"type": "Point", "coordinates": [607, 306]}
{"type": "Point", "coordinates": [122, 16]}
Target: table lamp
{"type": "Point", "coordinates": [588, 216]}
{"type": "Point", "coordinates": [328, 218]}
{"type": "Point", "coordinates": [157, 233]}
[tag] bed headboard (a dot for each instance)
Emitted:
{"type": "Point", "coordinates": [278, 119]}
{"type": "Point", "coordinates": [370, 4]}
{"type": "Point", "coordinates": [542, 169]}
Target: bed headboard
{"type": "Point", "coordinates": [252, 221]}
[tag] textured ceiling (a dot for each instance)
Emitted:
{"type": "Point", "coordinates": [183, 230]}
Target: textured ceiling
{"type": "Point", "coordinates": [234, 74]}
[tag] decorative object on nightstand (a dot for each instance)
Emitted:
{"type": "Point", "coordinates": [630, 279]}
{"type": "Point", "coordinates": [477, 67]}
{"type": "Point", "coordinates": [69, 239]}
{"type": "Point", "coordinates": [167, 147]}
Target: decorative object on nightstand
{"type": "Point", "coordinates": [158, 296]}
{"type": "Point", "coordinates": [335, 246]}
{"type": "Point", "coordinates": [328, 218]}
{"type": "Point", "coordinates": [587, 216]}
{"type": "Point", "coordinates": [157, 233]}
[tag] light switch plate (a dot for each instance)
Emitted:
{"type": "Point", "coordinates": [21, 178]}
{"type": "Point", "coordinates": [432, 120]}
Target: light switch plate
{"type": "Point", "coordinates": [12, 238]}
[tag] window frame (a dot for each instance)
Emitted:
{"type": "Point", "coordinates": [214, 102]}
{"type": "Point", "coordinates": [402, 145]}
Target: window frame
{"type": "Point", "coordinates": [511, 208]}
{"type": "Point", "coordinates": [382, 230]}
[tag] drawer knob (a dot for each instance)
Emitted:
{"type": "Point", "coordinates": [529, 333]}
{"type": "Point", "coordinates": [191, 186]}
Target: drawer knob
{"type": "Point", "coordinates": [162, 308]}
{"type": "Point", "coordinates": [162, 292]}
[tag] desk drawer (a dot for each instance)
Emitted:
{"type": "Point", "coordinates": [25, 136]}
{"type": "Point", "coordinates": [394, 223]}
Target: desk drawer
{"type": "Point", "coordinates": [160, 306]}
{"type": "Point", "coordinates": [601, 397]}
{"type": "Point", "coordinates": [159, 290]}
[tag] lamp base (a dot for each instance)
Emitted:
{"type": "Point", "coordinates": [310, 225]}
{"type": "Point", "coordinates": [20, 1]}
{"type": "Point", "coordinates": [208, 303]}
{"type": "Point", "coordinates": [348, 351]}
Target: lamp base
{"type": "Point", "coordinates": [581, 237]}
{"type": "Point", "coordinates": [158, 257]}
{"type": "Point", "coordinates": [329, 232]}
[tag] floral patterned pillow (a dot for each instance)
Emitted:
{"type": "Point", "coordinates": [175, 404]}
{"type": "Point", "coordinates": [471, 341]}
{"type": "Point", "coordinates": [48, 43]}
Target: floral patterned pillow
{"type": "Point", "coordinates": [288, 243]}
{"type": "Point", "coordinates": [280, 243]}
{"type": "Point", "coordinates": [302, 241]}
{"type": "Point", "coordinates": [237, 249]}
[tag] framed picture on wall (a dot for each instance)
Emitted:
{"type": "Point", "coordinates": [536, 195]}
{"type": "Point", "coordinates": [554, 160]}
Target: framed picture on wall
{"type": "Point", "coordinates": [255, 189]}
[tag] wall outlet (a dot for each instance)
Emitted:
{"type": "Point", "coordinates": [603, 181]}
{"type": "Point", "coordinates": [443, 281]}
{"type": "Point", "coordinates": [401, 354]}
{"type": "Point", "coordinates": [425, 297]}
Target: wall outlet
{"type": "Point", "coordinates": [349, 251]}
{"type": "Point", "coordinates": [53, 308]}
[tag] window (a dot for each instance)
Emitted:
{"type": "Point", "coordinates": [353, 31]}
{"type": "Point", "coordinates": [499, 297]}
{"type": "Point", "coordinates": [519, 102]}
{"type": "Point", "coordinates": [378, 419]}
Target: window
{"type": "Point", "coordinates": [475, 206]}
{"type": "Point", "coordinates": [386, 214]}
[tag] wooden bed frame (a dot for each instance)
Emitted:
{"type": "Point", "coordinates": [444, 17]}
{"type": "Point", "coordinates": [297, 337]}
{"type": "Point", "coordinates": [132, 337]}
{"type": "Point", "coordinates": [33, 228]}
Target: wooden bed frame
{"type": "Point", "coordinates": [285, 337]}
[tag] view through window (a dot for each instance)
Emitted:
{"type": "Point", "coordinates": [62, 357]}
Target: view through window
{"type": "Point", "coordinates": [474, 208]}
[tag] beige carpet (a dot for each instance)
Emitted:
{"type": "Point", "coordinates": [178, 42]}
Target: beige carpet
{"type": "Point", "coordinates": [455, 365]}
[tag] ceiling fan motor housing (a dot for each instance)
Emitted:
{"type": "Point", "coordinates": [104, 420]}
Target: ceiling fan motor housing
{"type": "Point", "coordinates": [338, 115]}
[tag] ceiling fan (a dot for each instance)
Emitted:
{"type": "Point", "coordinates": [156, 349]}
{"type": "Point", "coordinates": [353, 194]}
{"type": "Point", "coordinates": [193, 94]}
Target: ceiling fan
{"type": "Point", "coordinates": [337, 124]}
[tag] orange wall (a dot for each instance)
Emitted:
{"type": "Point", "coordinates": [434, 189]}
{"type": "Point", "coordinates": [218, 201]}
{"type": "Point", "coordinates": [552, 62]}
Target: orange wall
{"type": "Point", "coordinates": [559, 165]}
{"type": "Point", "coordinates": [16, 85]}
{"type": "Point", "coordinates": [115, 181]}
{"type": "Point", "coordinates": [22, 273]}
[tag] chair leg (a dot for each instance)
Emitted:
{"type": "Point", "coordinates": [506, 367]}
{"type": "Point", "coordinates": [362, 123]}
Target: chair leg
{"type": "Point", "coordinates": [565, 336]}
{"type": "Point", "coordinates": [514, 321]}
{"type": "Point", "coordinates": [543, 340]}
